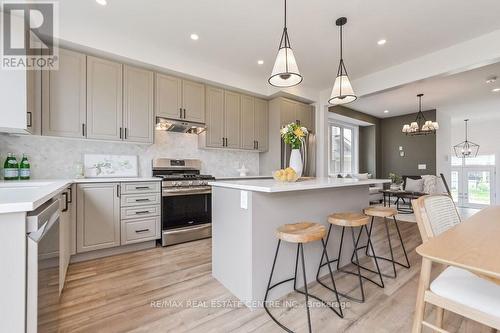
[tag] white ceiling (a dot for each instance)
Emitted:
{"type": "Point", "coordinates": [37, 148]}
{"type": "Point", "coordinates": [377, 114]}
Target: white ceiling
{"type": "Point", "coordinates": [439, 93]}
{"type": "Point", "coordinates": [234, 34]}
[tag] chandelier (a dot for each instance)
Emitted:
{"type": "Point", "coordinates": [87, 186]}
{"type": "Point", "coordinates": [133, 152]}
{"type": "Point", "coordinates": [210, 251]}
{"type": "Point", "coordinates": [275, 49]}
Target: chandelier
{"type": "Point", "coordinates": [466, 148]}
{"type": "Point", "coordinates": [420, 126]}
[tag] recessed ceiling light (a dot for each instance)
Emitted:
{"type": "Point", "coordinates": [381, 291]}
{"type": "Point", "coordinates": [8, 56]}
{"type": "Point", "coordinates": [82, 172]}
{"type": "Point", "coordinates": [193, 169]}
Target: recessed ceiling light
{"type": "Point", "coordinates": [260, 62]}
{"type": "Point", "coordinates": [496, 90]}
{"type": "Point", "coordinates": [194, 37]}
{"type": "Point", "coordinates": [102, 2]}
{"type": "Point", "coordinates": [491, 79]}
{"type": "Point", "coordinates": [386, 111]}
{"type": "Point", "coordinates": [381, 42]}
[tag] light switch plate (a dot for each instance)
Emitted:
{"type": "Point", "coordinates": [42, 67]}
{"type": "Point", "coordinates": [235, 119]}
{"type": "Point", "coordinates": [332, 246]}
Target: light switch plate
{"type": "Point", "coordinates": [244, 199]}
{"type": "Point", "coordinates": [422, 167]}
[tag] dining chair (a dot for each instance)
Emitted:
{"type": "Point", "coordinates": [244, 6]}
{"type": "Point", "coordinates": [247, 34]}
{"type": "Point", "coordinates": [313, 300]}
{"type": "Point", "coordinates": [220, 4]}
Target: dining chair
{"type": "Point", "coordinates": [455, 289]}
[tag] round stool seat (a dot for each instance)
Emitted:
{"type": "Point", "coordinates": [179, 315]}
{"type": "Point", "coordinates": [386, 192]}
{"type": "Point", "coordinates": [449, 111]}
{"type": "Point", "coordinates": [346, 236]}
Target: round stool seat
{"type": "Point", "coordinates": [381, 211]}
{"type": "Point", "coordinates": [348, 219]}
{"type": "Point", "coordinates": [303, 232]}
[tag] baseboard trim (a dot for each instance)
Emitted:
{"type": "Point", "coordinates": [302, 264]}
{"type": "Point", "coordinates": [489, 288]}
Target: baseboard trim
{"type": "Point", "coordinates": [112, 251]}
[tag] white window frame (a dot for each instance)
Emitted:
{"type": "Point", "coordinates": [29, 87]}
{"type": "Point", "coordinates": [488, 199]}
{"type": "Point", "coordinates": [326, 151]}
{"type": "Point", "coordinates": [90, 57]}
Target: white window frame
{"type": "Point", "coordinates": [355, 147]}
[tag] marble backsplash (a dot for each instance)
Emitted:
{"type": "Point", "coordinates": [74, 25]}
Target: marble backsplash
{"type": "Point", "coordinates": [58, 157]}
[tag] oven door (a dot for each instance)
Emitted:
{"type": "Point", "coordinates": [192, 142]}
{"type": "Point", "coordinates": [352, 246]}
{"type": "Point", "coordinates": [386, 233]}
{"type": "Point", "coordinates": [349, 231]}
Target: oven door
{"type": "Point", "coordinates": [186, 208]}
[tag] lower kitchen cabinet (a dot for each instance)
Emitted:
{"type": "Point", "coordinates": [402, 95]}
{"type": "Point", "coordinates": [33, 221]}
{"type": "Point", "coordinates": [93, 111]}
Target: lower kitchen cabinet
{"type": "Point", "coordinates": [98, 216]}
{"type": "Point", "coordinates": [140, 230]}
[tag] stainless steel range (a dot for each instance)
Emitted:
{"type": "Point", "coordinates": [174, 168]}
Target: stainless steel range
{"type": "Point", "coordinates": [186, 200]}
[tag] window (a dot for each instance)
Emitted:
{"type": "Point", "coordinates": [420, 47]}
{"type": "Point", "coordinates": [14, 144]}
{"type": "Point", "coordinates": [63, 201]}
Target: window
{"type": "Point", "coordinates": [342, 149]}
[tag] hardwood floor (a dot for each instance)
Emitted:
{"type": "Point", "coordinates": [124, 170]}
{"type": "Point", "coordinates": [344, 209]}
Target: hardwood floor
{"type": "Point", "coordinates": [171, 290]}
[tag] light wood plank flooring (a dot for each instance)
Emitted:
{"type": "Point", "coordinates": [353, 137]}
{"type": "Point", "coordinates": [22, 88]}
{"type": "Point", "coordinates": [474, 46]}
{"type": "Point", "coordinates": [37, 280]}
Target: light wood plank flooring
{"type": "Point", "coordinates": [148, 291]}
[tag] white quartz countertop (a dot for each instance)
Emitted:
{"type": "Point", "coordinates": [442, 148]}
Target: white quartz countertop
{"type": "Point", "coordinates": [242, 177]}
{"type": "Point", "coordinates": [273, 186]}
{"type": "Point", "coordinates": [25, 196]}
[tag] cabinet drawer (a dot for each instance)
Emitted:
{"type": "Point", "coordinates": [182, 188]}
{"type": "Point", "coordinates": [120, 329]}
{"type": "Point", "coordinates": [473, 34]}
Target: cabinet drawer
{"type": "Point", "coordinates": [140, 212]}
{"type": "Point", "coordinates": [139, 187]}
{"type": "Point", "coordinates": [129, 200]}
{"type": "Point", "coordinates": [140, 230]}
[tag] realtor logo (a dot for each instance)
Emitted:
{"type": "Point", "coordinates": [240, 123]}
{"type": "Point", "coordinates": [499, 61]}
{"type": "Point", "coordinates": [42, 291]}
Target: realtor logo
{"type": "Point", "coordinates": [28, 30]}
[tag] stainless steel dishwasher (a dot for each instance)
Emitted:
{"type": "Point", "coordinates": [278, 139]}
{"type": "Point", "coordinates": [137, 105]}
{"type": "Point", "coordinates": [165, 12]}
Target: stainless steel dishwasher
{"type": "Point", "coordinates": [42, 265]}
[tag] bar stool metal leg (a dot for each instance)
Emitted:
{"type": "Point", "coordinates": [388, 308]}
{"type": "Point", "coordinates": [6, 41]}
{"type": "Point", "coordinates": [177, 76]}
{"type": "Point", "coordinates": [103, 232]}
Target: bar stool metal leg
{"type": "Point", "coordinates": [370, 246]}
{"type": "Point", "coordinates": [402, 245]}
{"type": "Point", "coordinates": [391, 259]}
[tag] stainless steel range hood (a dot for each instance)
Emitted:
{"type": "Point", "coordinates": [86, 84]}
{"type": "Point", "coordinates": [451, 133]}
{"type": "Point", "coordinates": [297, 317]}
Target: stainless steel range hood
{"type": "Point", "coordinates": [179, 126]}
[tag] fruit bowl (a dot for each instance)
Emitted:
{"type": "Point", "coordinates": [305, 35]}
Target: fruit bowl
{"type": "Point", "coordinates": [287, 175]}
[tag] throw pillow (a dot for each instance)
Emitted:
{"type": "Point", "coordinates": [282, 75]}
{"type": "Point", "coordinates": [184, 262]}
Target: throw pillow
{"type": "Point", "coordinates": [414, 185]}
{"type": "Point", "coordinates": [430, 184]}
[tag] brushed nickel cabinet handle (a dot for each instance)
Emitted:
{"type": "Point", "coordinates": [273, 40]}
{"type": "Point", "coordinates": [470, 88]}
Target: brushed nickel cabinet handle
{"type": "Point", "coordinates": [142, 212]}
{"type": "Point", "coordinates": [141, 200]}
{"type": "Point", "coordinates": [141, 230]}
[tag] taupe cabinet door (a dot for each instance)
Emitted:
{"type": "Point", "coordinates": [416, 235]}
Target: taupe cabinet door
{"type": "Point", "coordinates": [261, 124]}
{"type": "Point", "coordinates": [138, 111]}
{"type": "Point", "coordinates": [248, 140]}
{"type": "Point", "coordinates": [98, 216]}
{"type": "Point", "coordinates": [180, 99]}
{"type": "Point", "coordinates": [193, 100]}
{"type": "Point", "coordinates": [64, 96]}
{"type": "Point", "coordinates": [287, 112]}
{"type": "Point", "coordinates": [232, 119]}
{"type": "Point", "coordinates": [104, 99]}
{"type": "Point", "coordinates": [215, 117]}
{"type": "Point", "coordinates": [168, 96]}
{"type": "Point", "coordinates": [304, 115]}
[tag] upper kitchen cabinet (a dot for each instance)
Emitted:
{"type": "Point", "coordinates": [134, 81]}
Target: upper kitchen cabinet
{"type": "Point", "coordinates": [180, 99]}
{"type": "Point", "coordinates": [64, 96]}
{"type": "Point", "coordinates": [232, 118]}
{"type": "Point", "coordinates": [138, 109]}
{"type": "Point", "coordinates": [235, 121]}
{"type": "Point", "coordinates": [168, 96]}
{"type": "Point", "coordinates": [294, 112]}
{"type": "Point", "coordinates": [104, 99]}
{"type": "Point", "coordinates": [261, 121]}
{"type": "Point", "coordinates": [20, 92]}
{"type": "Point", "coordinates": [248, 140]}
{"type": "Point", "coordinates": [305, 116]}
{"type": "Point", "coordinates": [214, 134]}
{"type": "Point", "coordinates": [193, 100]}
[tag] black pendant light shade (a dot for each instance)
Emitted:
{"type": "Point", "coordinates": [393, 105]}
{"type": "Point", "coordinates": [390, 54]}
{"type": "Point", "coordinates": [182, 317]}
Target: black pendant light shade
{"type": "Point", "coordinates": [466, 148]}
{"type": "Point", "coordinates": [342, 92]}
{"type": "Point", "coordinates": [285, 71]}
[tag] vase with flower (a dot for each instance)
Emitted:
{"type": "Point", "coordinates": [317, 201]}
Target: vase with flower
{"type": "Point", "coordinates": [294, 135]}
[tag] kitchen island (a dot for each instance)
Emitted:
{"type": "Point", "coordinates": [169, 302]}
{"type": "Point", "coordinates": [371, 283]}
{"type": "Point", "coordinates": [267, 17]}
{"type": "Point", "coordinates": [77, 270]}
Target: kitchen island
{"type": "Point", "coordinates": [245, 215]}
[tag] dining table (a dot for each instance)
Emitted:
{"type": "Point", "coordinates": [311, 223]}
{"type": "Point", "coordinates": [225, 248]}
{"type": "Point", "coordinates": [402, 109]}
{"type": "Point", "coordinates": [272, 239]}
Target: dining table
{"type": "Point", "coordinates": [473, 244]}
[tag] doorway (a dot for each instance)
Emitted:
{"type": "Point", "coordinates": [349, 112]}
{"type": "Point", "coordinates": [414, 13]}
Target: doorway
{"type": "Point", "coordinates": [473, 182]}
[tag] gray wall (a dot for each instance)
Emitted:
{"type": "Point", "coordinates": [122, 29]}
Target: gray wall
{"type": "Point", "coordinates": [417, 149]}
{"type": "Point", "coordinates": [379, 144]}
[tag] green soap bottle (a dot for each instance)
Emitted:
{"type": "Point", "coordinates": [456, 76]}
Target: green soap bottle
{"type": "Point", "coordinates": [24, 168]}
{"type": "Point", "coordinates": [10, 168]}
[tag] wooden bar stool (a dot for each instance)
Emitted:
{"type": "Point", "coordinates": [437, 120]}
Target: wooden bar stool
{"type": "Point", "coordinates": [385, 212]}
{"type": "Point", "coordinates": [301, 233]}
{"type": "Point", "coordinates": [350, 220]}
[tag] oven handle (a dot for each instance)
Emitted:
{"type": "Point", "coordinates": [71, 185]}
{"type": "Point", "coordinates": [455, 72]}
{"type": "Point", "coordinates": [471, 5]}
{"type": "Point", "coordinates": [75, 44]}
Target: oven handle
{"type": "Point", "coordinates": [167, 193]}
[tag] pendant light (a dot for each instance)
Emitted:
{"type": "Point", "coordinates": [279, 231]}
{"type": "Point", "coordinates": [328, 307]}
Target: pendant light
{"type": "Point", "coordinates": [342, 92]}
{"type": "Point", "coordinates": [285, 71]}
{"type": "Point", "coordinates": [466, 148]}
{"type": "Point", "coordinates": [420, 126]}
